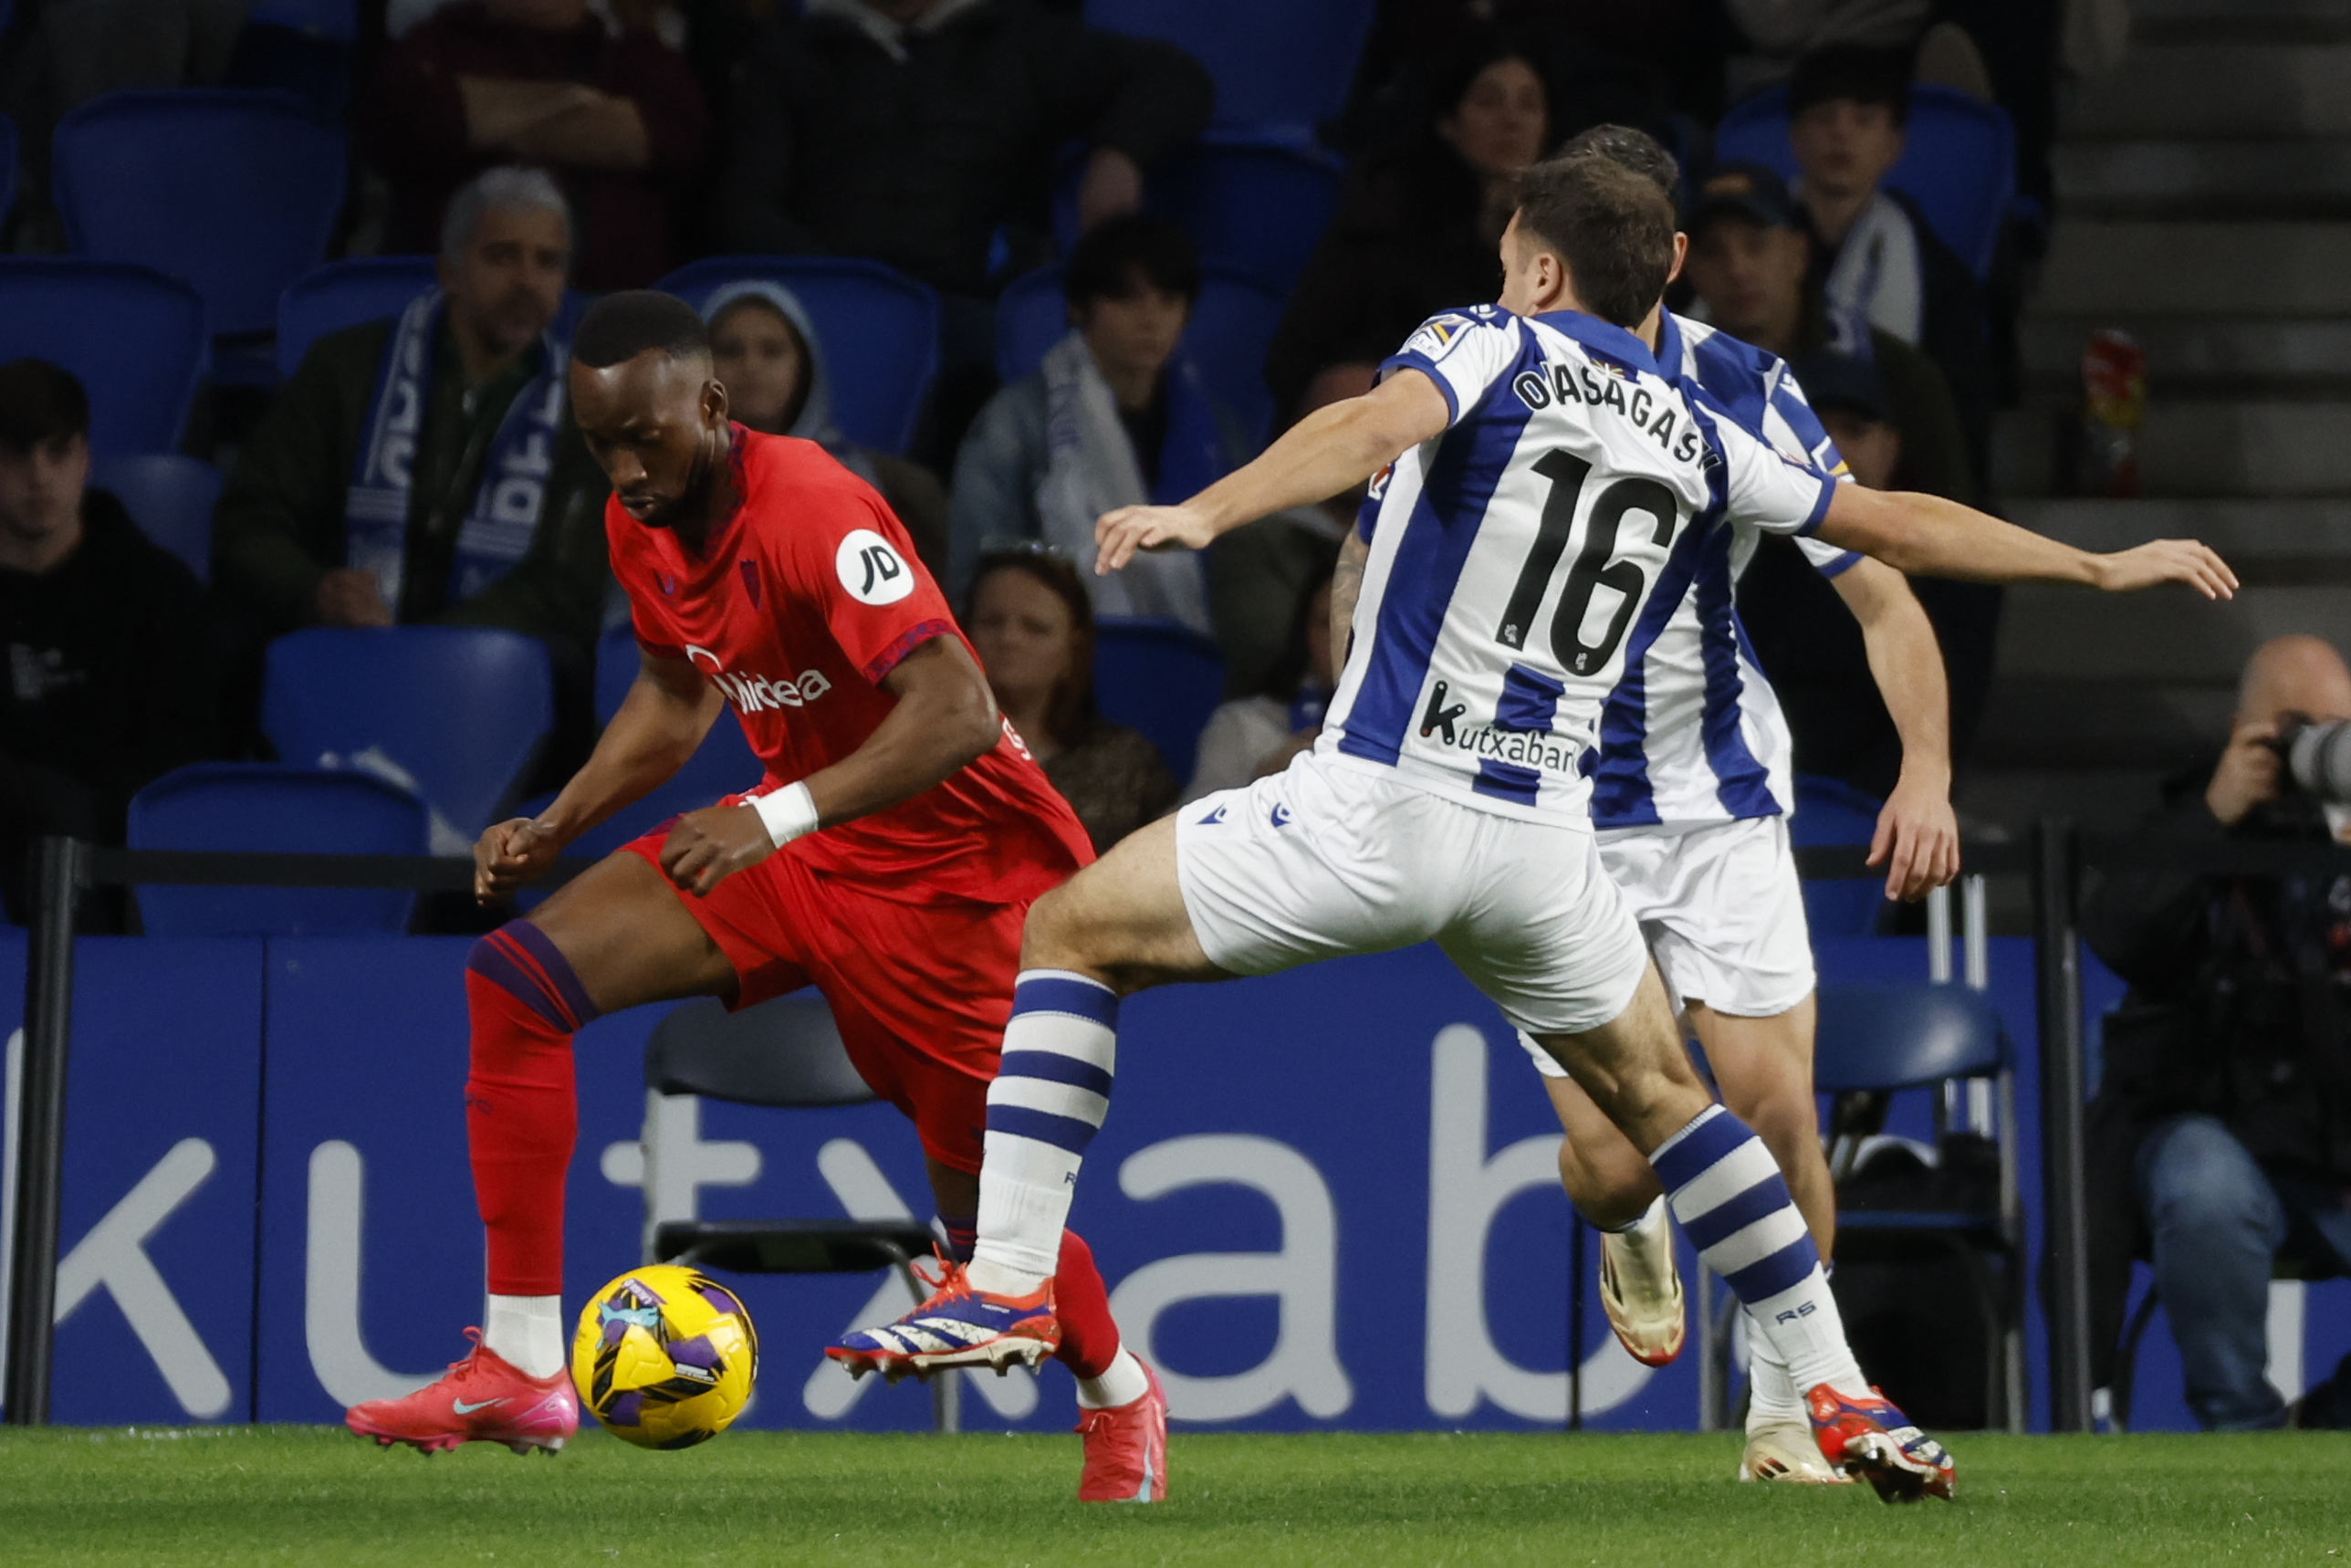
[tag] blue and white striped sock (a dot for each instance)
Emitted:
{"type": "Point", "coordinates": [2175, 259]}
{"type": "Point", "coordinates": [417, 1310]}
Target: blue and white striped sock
{"type": "Point", "coordinates": [1733, 1204]}
{"type": "Point", "coordinates": [1050, 1095]}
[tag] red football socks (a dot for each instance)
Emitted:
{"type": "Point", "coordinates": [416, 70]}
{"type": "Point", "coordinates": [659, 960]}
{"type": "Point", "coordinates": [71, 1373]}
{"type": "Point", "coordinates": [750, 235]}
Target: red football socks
{"type": "Point", "coordinates": [521, 1111]}
{"type": "Point", "coordinates": [1081, 1302]}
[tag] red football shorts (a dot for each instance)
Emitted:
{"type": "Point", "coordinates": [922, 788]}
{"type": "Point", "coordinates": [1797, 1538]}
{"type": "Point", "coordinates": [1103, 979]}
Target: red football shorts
{"type": "Point", "coordinates": [921, 991]}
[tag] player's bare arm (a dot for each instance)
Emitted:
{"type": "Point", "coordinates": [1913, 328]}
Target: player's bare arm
{"type": "Point", "coordinates": [1330, 451]}
{"type": "Point", "coordinates": [1346, 587]}
{"type": "Point", "coordinates": [1928, 536]}
{"type": "Point", "coordinates": [1917, 836]}
{"type": "Point", "coordinates": [944, 720]}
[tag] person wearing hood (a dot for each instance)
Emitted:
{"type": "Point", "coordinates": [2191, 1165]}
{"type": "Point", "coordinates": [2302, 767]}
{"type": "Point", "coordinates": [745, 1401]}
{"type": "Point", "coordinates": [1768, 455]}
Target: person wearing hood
{"type": "Point", "coordinates": [771, 361]}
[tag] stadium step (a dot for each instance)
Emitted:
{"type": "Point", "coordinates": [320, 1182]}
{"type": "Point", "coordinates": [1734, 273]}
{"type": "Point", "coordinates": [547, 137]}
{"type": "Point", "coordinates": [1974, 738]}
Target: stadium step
{"type": "Point", "coordinates": [2141, 725]}
{"type": "Point", "coordinates": [2264, 21]}
{"type": "Point", "coordinates": [2209, 356]}
{"type": "Point", "coordinates": [2266, 541]}
{"type": "Point", "coordinates": [2250, 269]}
{"type": "Point", "coordinates": [2192, 448]}
{"type": "Point", "coordinates": [2163, 638]}
{"type": "Point", "coordinates": [2220, 88]}
{"type": "Point", "coordinates": [2293, 179]}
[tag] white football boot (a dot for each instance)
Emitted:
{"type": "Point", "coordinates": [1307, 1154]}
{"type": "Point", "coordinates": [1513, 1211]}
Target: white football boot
{"type": "Point", "coordinates": [1641, 1288]}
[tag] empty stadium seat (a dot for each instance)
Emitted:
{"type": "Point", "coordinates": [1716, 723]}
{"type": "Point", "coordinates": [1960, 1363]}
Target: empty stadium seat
{"type": "Point", "coordinates": [344, 294]}
{"type": "Point", "coordinates": [236, 192]}
{"type": "Point", "coordinates": [1829, 811]}
{"type": "Point", "coordinates": [335, 19]}
{"type": "Point", "coordinates": [1958, 162]}
{"type": "Point", "coordinates": [170, 497]}
{"type": "Point", "coordinates": [135, 337]}
{"type": "Point", "coordinates": [1252, 207]}
{"type": "Point", "coordinates": [1160, 678]}
{"type": "Point", "coordinates": [454, 713]}
{"type": "Point", "coordinates": [1231, 324]}
{"type": "Point", "coordinates": [1281, 68]}
{"type": "Point", "coordinates": [260, 806]}
{"type": "Point", "coordinates": [880, 330]}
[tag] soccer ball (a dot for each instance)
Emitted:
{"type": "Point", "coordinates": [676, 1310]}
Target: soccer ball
{"type": "Point", "coordinates": [666, 1356]}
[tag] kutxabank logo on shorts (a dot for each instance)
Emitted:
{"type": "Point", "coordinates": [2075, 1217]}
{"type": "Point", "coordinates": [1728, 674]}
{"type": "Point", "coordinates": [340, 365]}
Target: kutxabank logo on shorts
{"type": "Point", "coordinates": [751, 694]}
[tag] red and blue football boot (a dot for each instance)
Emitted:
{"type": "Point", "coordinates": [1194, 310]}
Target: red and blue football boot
{"type": "Point", "coordinates": [484, 1398]}
{"type": "Point", "coordinates": [958, 1326]}
{"type": "Point", "coordinates": [1870, 1439]}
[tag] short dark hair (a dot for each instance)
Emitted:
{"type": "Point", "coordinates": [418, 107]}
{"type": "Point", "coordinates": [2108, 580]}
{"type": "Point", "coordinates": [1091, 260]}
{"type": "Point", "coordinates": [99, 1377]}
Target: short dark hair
{"type": "Point", "coordinates": [41, 402]}
{"type": "Point", "coordinates": [1636, 149]}
{"type": "Point", "coordinates": [1850, 71]}
{"type": "Point", "coordinates": [1613, 228]}
{"type": "Point", "coordinates": [1117, 255]}
{"type": "Point", "coordinates": [620, 327]}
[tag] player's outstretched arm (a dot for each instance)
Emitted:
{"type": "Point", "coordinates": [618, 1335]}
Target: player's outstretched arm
{"type": "Point", "coordinates": [944, 720]}
{"type": "Point", "coordinates": [1929, 536]}
{"type": "Point", "coordinates": [1918, 837]}
{"type": "Point", "coordinates": [669, 709]}
{"type": "Point", "coordinates": [1330, 451]}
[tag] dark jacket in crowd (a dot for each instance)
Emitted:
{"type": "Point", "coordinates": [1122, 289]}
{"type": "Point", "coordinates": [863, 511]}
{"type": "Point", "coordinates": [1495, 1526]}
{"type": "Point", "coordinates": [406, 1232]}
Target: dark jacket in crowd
{"type": "Point", "coordinates": [1404, 244]}
{"type": "Point", "coordinates": [2240, 1008]}
{"type": "Point", "coordinates": [279, 525]}
{"type": "Point", "coordinates": [412, 126]}
{"type": "Point", "coordinates": [914, 151]}
{"type": "Point", "coordinates": [109, 680]}
{"type": "Point", "coordinates": [1114, 779]}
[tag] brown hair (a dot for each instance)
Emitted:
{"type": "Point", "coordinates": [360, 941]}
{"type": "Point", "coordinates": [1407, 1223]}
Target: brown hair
{"type": "Point", "coordinates": [1613, 228]}
{"type": "Point", "coordinates": [1072, 711]}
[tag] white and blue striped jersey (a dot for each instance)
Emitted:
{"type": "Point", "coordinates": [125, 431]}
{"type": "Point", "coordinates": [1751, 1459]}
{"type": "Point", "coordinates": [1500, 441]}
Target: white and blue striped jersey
{"type": "Point", "coordinates": [1512, 554]}
{"type": "Point", "coordinates": [1693, 733]}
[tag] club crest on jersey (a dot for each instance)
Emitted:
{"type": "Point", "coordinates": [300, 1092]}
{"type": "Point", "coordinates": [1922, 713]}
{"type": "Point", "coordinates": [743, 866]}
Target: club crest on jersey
{"type": "Point", "coordinates": [753, 694]}
{"type": "Point", "coordinates": [871, 568]}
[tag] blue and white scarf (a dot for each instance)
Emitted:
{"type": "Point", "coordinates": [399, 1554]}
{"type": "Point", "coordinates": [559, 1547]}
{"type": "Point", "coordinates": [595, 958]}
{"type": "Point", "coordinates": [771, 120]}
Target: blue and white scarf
{"type": "Point", "coordinates": [504, 520]}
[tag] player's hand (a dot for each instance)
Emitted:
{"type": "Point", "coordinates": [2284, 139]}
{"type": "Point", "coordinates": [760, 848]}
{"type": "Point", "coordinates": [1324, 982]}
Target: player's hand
{"type": "Point", "coordinates": [509, 854]}
{"type": "Point", "coordinates": [710, 845]}
{"type": "Point", "coordinates": [1118, 535]}
{"type": "Point", "coordinates": [2166, 560]}
{"type": "Point", "coordinates": [2249, 773]}
{"type": "Point", "coordinates": [1917, 839]}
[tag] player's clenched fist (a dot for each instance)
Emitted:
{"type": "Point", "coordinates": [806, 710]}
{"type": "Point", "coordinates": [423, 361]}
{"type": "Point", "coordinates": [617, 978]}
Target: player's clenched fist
{"type": "Point", "coordinates": [509, 854]}
{"type": "Point", "coordinates": [1118, 535]}
{"type": "Point", "coordinates": [707, 846]}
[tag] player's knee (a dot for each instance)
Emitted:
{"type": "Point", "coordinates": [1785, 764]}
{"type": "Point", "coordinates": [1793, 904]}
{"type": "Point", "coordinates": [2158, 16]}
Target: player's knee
{"type": "Point", "coordinates": [1780, 1113]}
{"type": "Point", "coordinates": [1054, 935]}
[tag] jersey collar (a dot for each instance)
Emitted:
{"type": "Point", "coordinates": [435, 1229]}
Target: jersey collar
{"type": "Point", "coordinates": [1606, 339]}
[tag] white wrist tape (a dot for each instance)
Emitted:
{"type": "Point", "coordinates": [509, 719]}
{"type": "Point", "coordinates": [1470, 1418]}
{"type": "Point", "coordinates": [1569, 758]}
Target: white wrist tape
{"type": "Point", "coordinates": [789, 812]}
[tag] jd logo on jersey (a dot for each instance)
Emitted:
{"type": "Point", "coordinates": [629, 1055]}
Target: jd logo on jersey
{"type": "Point", "coordinates": [871, 568]}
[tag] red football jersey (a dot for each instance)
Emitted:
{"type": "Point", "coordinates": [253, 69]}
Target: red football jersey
{"type": "Point", "coordinates": [796, 608]}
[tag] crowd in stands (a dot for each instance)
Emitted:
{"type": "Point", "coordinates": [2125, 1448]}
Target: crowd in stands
{"type": "Point", "coordinates": [422, 468]}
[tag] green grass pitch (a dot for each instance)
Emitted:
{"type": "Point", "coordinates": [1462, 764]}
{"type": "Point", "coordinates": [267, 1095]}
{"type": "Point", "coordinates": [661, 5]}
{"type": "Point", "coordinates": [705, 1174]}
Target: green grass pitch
{"type": "Point", "coordinates": [239, 1495]}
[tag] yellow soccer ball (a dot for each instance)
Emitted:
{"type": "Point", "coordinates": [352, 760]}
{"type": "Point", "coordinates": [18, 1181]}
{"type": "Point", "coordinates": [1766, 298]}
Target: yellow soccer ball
{"type": "Point", "coordinates": [666, 1356]}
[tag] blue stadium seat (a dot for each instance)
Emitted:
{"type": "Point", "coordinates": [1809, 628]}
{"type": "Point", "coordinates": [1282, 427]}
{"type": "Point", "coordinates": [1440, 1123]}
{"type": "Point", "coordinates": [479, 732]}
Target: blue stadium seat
{"type": "Point", "coordinates": [1958, 162]}
{"type": "Point", "coordinates": [1904, 1037]}
{"type": "Point", "coordinates": [344, 294]}
{"type": "Point", "coordinates": [335, 19]}
{"type": "Point", "coordinates": [7, 150]}
{"type": "Point", "coordinates": [1281, 68]}
{"type": "Point", "coordinates": [1830, 812]}
{"type": "Point", "coordinates": [135, 337]}
{"type": "Point", "coordinates": [880, 331]}
{"type": "Point", "coordinates": [266, 807]}
{"type": "Point", "coordinates": [1252, 207]}
{"type": "Point", "coordinates": [236, 192]}
{"type": "Point", "coordinates": [170, 497]}
{"type": "Point", "coordinates": [454, 713]}
{"type": "Point", "coordinates": [1160, 678]}
{"type": "Point", "coordinates": [1230, 327]}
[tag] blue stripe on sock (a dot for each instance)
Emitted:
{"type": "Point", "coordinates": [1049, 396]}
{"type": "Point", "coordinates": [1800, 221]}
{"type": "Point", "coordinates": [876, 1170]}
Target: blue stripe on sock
{"type": "Point", "coordinates": [1062, 1132]}
{"type": "Point", "coordinates": [1766, 1277]}
{"type": "Point", "coordinates": [1062, 994]}
{"type": "Point", "coordinates": [1054, 1068]}
{"type": "Point", "coordinates": [1702, 1144]}
{"type": "Point", "coordinates": [1726, 1218]}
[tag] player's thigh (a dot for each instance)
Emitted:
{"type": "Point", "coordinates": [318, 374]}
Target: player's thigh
{"type": "Point", "coordinates": [1541, 929]}
{"type": "Point", "coordinates": [1762, 1065]}
{"type": "Point", "coordinates": [1122, 918]}
{"type": "Point", "coordinates": [624, 930]}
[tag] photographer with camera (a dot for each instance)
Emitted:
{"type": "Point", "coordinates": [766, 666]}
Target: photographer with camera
{"type": "Point", "coordinates": [2221, 1137]}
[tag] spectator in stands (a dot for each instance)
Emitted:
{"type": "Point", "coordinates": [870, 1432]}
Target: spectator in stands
{"type": "Point", "coordinates": [109, 667]}
{"type": "Point", "coordinates": [1113, 417]}
{"type": "Point", "coordinates": [480, 83]}
{"type": "Point", "coordinates": [920, 133]}
{"type": "Point", "coordinates": [772, 365]}
{"type": "Point", "coordinates": [2221, 1137]}
{"type": "Point", "coordinates": [1415, 232]}
{"type": "Point", "coordinates": [1876, 254]}
{"type": "Point", "coordinates": [1251, 736]}
{"type": "Point", "coordinates": [425, 468]}
{"type": "Point", "coordinates": [1034, 629]}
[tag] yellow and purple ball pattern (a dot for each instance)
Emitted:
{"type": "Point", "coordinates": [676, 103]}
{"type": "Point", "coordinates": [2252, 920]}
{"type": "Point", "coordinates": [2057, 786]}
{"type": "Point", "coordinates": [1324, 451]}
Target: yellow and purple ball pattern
{"type": "Point", "coordinates": [666, 1356]}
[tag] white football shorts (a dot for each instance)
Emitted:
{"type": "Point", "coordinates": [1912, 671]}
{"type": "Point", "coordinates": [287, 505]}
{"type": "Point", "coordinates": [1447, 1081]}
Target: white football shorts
{"type": "Point", "coordinates": [1722, 912]}
{"type": "Point", "coordinates": [1335, 856]}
